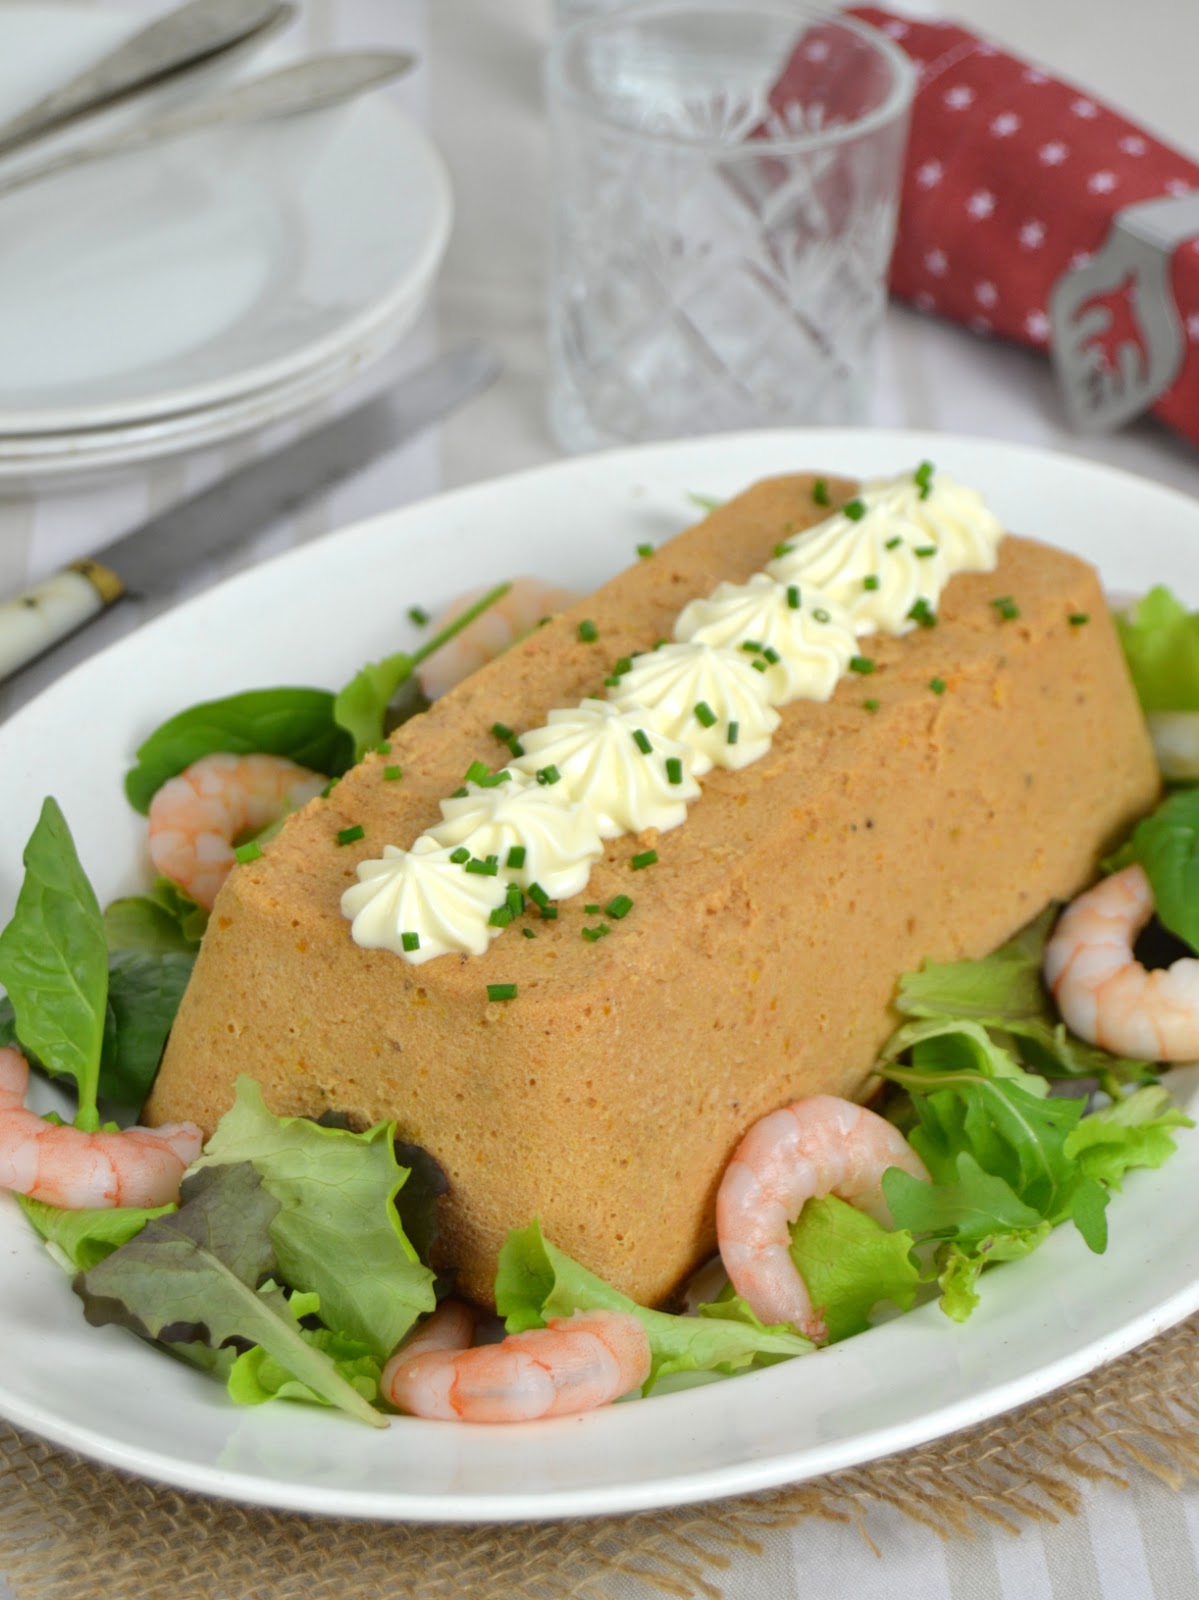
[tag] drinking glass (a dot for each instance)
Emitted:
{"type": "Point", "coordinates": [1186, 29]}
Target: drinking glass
{"type": "Point", "coordinates": [725, 181]}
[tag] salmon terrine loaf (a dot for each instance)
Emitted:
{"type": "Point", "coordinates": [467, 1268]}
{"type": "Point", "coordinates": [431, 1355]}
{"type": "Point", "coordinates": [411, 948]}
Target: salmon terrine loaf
{"type": "Point", "coordinates": [595, 1068]}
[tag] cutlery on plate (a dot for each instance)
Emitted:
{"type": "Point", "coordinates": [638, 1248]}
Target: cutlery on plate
{"type": "Point", "coordinates": [149, 561]}
{"type": "Point", "coordinates": [307, 85]}
{"type": "Point", "coordinates": [188, 37]}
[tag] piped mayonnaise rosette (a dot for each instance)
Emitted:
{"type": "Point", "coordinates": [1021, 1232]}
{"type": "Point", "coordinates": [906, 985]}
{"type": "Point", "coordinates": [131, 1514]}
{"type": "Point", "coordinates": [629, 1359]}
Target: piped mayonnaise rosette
{"type": "Point", "coordinates": [631, 762]}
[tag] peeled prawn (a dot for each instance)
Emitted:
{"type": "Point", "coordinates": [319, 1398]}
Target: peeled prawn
{"type": "Point", "coordinates": [197, 817]}
{"type": "Point", "coordinates": [515, 614]}
{"type": "Point", "coordinates": [1103, 992]}
{"type": "Point", "coordinates": [815, 1147]}
{"type": "Point", "coordinates": [575, 1364]}
{"type": "Point", "coordinates": [64, 1166]}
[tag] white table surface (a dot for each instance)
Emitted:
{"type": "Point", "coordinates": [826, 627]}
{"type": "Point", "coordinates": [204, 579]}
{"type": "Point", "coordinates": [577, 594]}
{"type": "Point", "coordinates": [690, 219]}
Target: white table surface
{"type": "Point", "coordinates": [479, 93]}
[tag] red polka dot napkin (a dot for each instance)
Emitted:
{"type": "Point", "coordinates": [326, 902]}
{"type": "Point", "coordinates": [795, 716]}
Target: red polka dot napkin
{"type": "Point", "coordinates": [1014, 177]}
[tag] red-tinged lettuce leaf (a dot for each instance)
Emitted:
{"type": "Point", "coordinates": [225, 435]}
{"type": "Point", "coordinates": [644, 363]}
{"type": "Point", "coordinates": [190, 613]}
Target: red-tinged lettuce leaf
{"type": "Point", "coordinates": [536, 1281]}
{"type": "Point", "coordinates": [193, 1276]}
{"type": "Point", "coordinates": [336, 1230]}
{"type": "Point", "coordinates": [850, 1265]}
{"type": "Point", "coordinates": [82, 1239]}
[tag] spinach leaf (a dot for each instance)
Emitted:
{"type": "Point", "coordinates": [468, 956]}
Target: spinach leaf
{"type": "Point", "coordinates": [144, 991]}
{"type": "Point", "coordinates": [164, 920]}
{"type": "Point", "coordinates": [54, 961]}
{"type": "Point", "coordinates": [1166, 844]}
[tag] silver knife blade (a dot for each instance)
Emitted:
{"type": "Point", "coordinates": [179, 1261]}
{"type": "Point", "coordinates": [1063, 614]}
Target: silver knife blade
{"type": "Point", "coordinates": [149, 561]}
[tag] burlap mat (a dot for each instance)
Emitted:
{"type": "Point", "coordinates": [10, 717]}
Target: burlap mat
{"type": "Point", "coordinates": [70, 1530]}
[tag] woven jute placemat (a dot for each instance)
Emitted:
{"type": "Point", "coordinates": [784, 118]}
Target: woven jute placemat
{"type": "Point", "coordinates": [71, 1530]}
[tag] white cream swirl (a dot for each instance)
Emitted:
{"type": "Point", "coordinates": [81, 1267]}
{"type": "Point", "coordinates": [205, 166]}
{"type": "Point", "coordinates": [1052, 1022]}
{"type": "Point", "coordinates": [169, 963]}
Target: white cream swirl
{"type": "Point", "coordinates": [556, 839]}
{"type": "Point", "coordinates": [421, 895]}
{"type": "Point", "coordinates": [886, 556]}
{"type": "Point", "coordinates": [594, 752]}
{"type": "Point", "coordinates": [709, 697]}
{"type": "Point", "coordinates": [805, 638]}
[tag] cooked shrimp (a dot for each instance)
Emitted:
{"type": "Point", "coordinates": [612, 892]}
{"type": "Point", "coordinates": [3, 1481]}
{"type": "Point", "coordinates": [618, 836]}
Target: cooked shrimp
{"type": "Point", "coordinates": [1103, 992]}
{"type": "Point", "coordinates": [575, 1364]}
{"type": "Point", "coordinates": [516, 613]}
{"type": "Point", "coordinates": [65, 1166]}
{"type": "Point", "coordinates": [198, 817]}
{"type": "Point", "coordinates": [812, 1148]}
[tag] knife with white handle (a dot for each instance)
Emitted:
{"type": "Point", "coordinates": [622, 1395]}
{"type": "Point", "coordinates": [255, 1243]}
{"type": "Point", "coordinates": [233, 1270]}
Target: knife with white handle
{"type": "Point", "coordinates": [150, 561]}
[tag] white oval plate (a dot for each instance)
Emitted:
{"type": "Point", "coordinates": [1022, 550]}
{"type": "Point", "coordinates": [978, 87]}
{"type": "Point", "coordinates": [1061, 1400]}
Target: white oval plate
{"type": "Point", "coordinates": [313, 617]}
{"type": "Point", "coordinates": [208, 267]}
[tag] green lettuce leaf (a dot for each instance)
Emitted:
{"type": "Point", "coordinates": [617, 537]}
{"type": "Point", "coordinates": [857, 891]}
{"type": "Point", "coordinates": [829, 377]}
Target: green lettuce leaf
{"type": "Point", "coordinates": [850, 1265]}
{"type": "Point", "coordinates": [1161, 645]}
{"type": "Point", "coordinates": [81, 1239]}
{"type": "Point", "coordinates": [959, 1266]}
{"type": "Point", "coordinates": [1135, 1131]}
{"type": "Point", "coordinates": [164, 922]}
{"type": "Point", "coordinates": [1166, 844]}
{"type": "Point", "coordinates": [536, 1281]}
{"type": "Point", "coordinates": [256, 1376]}
{"type": "Point", "coordinates": [336, 1230]}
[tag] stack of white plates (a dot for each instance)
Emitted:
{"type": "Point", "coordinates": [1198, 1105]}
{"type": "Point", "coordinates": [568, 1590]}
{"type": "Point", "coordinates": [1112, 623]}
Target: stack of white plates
{"type": "Point", "coordinates": [202, 290]}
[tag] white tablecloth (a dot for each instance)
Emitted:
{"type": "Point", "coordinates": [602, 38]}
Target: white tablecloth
{"type": "Point", "coordinates": [479, 92]}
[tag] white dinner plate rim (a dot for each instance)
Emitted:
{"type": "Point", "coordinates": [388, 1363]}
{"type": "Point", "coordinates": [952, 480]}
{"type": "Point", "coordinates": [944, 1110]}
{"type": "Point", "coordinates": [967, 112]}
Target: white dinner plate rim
{"type": "Point", "coordinates": [639, 474]}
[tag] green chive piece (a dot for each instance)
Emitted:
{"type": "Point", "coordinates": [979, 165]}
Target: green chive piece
{"type": "Point", "coordinates": [482, 869]}
{"type": "Point", "coordinates": [592, 911]}
{"type": "Point", "coordinates": [854, 509]}
{"type": "Point", "coordinates": [329, 788]}
{"type": "Point", "coordinates": [502, 732]}
{"type": "Point", "coordinates": [1079, 619]}
{"type": "Point", "coordinates": [383, 748]}
{"type": "Point", "coordinates": [872, 582]}
{"type": "Point", "coordinates": [477, 772]}
{"type": "Point", "coordinates": [392, 774]}
{"type": "Point", "coordinates": [893, 543]}
{"type": "Point", "coordinates": [642, 740]}
{"type": "Point", "coordinates": [514, 900]}
{"type": "Point", "coordinates": [410, 941]}
{"type": "Point", "coordinates": [674, 769]}
{"type": "Point", "coordinates": [516, 857]}
{"type": "Point", "coordinates": [821, 615]}
{"type": "Point", "coordinates": [862, 664]}
{"type": "Point", "coordinates": [760, 665]}
{"type": "Point", "coordinates": [781, 550]}
{"type": "Point", "coordinates": [588, 632]}
{"type": "Point", "coordinates": [751, 645]}
{"type": "Point", "coordinates": [870, 705]}
{"type": "Point", "coordinates": [538, 896]}
{"type": "Point", "coordinates": [820, 494]}
{"type": "Point", "coordinates": [460, 855]}
{"type": "Point", "coordinates": [501, 991]}
{"type": "Point", "coordinates": [937, 685]}
{"type": "Point", "coordinates": [598, 932]}
{"type": "Point", "coordinates": [528, 933]}
{"type": "Point", "coordinates": [419, 618]}
{"type": "Point", "coordinates": [500, 917]}
{"type": "Point", "coordinates": [793, 596]}
{"type": "Point", "coordinates": [1006, 607]}
{"type": "Point", "coordinates": [549, 913]}
{"type": "Point", "coordinates": [349, 835]}
{"type": "Point", "coordinates": [771, 655]}
{"type": "Point", "coordinates": [611, 683]}
{"type": "Point", "coordinates": [705, 714]}
{"type": "Point", "coordinates": [923, 613]}
{"type": "Point", "coordinates": [923, 478]}
{"type": "Point", "coordinates": [619, 668]}
{"type": "Point", "coordinates": [515, 746]}
{"type": "Point", "coordinates": [924, 551]}
{"type": "Point", "coordinates": [645, 550]}
{"type": "Point", "coordinates": [619, 907]}
{"type": "Point", "coordinates": [548, 775]}
{"type": "Point", "coordinates": [734, 730]}
{"type": "Point", "coordinates": [647, 858]}
{"type": "Point", "coordinates": [248, 852]}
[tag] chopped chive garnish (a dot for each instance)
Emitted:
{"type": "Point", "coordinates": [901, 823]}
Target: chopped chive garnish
{"type": "Point", "coordinates": [781, 550]}
{"type": "Point", "coordinates": [588, 632]}
{"type": "Point", "coordinates": [458, 793]}
{"type": "Point", "coordinates": [248, 852]}
{"type": "Point", "coordinates": [647, 858]}
{"type": "Point", "coordinates": [329, 788]}
{"type": "Point", "coordinates": [476, 772]}
{"type": "Point", "coordinates": [619, 668]}
{"type": "Point", "coordinates": [870, 705]}
{"type": "Point", "coordinates": [872, 582]}
{"type": "Point", "coordinates": [349, 835]}
{"type": "Point", "coordinates": [500, 917]}
{"type": "Point", "coordinates": [482, 869]}
{"type": "Point", "coordinates": [751, 645]}
{"type": "Point", "coordinates": [771, 655]}
{"type": "Point", "coordinates": [460, 855]}
{"type": "Point", "coordinates": [862, 664]}
{"type": "Point", "coordinates": [760, 665]}
{"type": "Point", "coordinates": [549, 912]}
{"type": "Point", "coordinates": [548, 775]}
{"type": "Point", "coordinates": [820, 614]}
{"type": "Point", "coordinates": [619, 907]}
{"type": "Point", "coordinates": [383, 748]}
{"type": "Point", "coordinates": [515, 746]}
{"type": "Point", "coordinates": [410, 941]}
{"type": "Point", "coordinates": [501, 991]}
{"type": "Point", "coordinates": [502, 732]}
{"type": "Point", "coordinates": [514, 900]}
{"type": "Point", "coordinates": [854, 509]}
{"type": "Point", "coordinates": [674, 769]}
{"type": "Point", "coordinates": [923, 613]}
{"type": "Point", "coordinates": [528, 933]}
{"type": "Point", "coordinates": [1079, 618]}
{"type": "Point", "coordinates": [516, 857]}
{"type": "Point", "coordinates": [937, 685]}
{"type": "Point", "coordinates": [598, 932]}
{"type": "Point", "coordinates": [592, 911]}
{"type": "Point", "coordinates": [924, 551]}
{"type": "Point", "coordinates": [644, 550]}
{"type": "Point", "coordinates": [734, 730]}
{"type": "Point", "coordinates": [642, 740]}
{"type": "Point", "coordinates": [893, 543]}
{"type": "Point", "coordinates": [1006, 607]}
{"type": "Point", "coordinates": [392, 774]}
{"type": "Point", "coordinates": [538, 896]}
{"type": "Point", "coordinates": [418, 616]}
{"type": "Point", "coordinates": [704, 714]}
{"type": "Point", "coordinates": [793, 596]}
{"type": "Point", "coordinates": [923, 478]}
{"type": "Point", "coordinates": [820, 494]}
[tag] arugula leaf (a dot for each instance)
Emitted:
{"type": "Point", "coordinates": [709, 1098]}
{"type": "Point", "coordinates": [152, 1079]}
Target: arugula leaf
{"type": "Point", "coordinates": [336, 1230]}
{"type": "Point", "coordinates": [849, 1264]}
{"type": "Point", "coordinates": [968, 1204]}
{"type": "Point", "coordinates": [193, 1275]}
{"type": "Point", "coordinates": [257, 1376]}
{"type": "Point", "coordinates": [536, 1281]}
{"type": "Point", "coordinates": [958, 1268]}
{"type": "Point", "coordinates": [295, 723]}
{"type": "Point", "coordinates": [81, 1239]}
{"type": "Point", "coordinates": [164, 921]}
{"type": "Point", "coordinates": [1161, 645]}
{"type": "Point", "coordinates": [1166, 844]}
{"type": "Point", "coordinates": [54, 962]}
